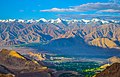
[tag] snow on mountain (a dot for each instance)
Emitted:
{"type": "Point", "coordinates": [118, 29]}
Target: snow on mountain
{"type": "Point", "coordinates": [73, 21]}
{"type": "Point", "coordinates": [51, 20]}
{"type": "Point", "coordinates": [59, 20]}
{"type": "Point", "coordinates": [95, 20]}
{"type": "Point", "coordinates": [2, 20]}
{"type": "Point", "coordinates": [115, 21]}
{"type": "Point", "coordinates": [86, 21]}
{"type": "Point", "coordinates": [99, 20]}
{"type": "Point", "coordinates": [31, 21]}
{"type": "Point", "coordinates": [12, 20]}
{"type": "Point", "coordinates": [21, 20]}
{"type": "Point", "coordinates": [9, 20]}
{"type": "Point", "coordinates": [41, 20]}
{"type": "Point", "coordinates": [104, 22]}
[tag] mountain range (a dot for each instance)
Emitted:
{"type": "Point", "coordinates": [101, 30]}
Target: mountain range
{"type": "Point", "coordinates": [94, 32]}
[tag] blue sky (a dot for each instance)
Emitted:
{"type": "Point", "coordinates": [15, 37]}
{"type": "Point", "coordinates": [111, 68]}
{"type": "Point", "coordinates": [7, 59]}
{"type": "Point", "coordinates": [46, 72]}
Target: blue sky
{"type": "Point", "coordinates": [52, 9]}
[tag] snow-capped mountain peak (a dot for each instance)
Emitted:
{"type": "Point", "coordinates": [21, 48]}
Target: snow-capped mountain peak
{"type": "Point", "coordinates": [31, 21]}
{"type": "Point", "coordinates": [58, 20]}
{"type": "Point", "coordinates": [2, 20]}
{"type": "Point", "coordinates": [86, 21]}
{"type": "Point", "coordinates": [95, 20]}
{"type": "Point", "coordinates": [11, 20]}
{"type": "Point", "coordinates": [42, 19]}
{"type": "Point", "coordinates": [21, 20]}
{"type": "Point", "coordinates": [51, 20]}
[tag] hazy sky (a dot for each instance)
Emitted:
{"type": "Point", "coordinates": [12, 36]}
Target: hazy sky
{"type": "Point", "coordinates": [35, 9]}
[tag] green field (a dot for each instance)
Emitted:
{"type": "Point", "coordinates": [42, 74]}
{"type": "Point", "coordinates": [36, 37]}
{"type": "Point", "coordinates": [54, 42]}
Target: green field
{"type": "Point", "coordinates": [88, 69]}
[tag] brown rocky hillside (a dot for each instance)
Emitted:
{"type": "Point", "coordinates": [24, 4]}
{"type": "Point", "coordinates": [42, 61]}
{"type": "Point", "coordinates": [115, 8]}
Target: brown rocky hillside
{"type": "Point", "coordinates": [111, 71]}
{"type": "Point", "coordinates": [18, 65]}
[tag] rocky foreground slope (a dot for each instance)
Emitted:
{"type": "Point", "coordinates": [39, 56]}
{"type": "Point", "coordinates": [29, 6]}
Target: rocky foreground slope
{"type": "Point", "coordinates": [111, 71]}
{"type": "Point", "coordinates": [95, 32]}
{"type": "Point", "coordinates": [12, 64]}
